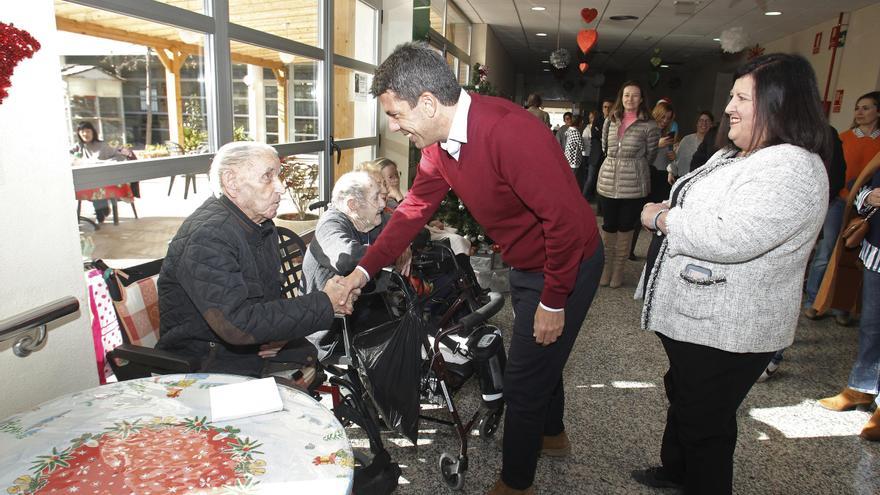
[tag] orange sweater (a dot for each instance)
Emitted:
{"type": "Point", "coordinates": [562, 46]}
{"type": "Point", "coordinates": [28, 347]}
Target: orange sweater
{"type": "Point", "coordinates": [857, 151]}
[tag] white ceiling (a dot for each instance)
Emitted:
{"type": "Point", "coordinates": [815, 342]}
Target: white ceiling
{"type": "Point", "coordinates": [623, 45]}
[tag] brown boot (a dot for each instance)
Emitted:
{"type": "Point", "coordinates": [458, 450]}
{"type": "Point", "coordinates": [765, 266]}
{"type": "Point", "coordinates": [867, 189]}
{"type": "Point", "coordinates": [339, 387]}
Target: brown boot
{"type": "Point", "coordinates": [871, 431]}
{"type": "Point", "coordinates": [501, 488]}
{"type": "Point", "coordinates": [609, 239]}
{"type": "Point", "coordinates": [556, 445]}
{"type": "Point", "coordinates": [621, 253]}
{"type": "Point", "coordinates": [846, 400]}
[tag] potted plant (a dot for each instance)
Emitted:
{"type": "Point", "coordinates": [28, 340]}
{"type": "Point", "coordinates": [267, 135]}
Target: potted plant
{"type": "Point", "coordinates": [300, 178]}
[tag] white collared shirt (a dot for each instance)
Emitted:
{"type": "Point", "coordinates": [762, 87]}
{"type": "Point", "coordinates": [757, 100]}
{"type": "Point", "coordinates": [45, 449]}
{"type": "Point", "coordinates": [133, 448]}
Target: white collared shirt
{"type": "Point", "coordinates": [458, 129]}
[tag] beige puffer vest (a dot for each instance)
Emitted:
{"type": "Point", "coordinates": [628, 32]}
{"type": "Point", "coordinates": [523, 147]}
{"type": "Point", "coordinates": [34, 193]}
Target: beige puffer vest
{"type": "Point", "coordinates": [626, 173]}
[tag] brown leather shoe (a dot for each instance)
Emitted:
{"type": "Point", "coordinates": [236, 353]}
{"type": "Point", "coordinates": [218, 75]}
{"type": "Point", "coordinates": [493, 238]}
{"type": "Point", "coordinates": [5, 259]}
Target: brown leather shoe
{"type": "Point", "coordinates": [501, 488]}
{"type": "Point", "coordinates": [847, 400]}
{"type": "Point", "coordinates": [811, 314]}
{"type": "Point", "coordinates": [556, 445]}
{"type": "Point", "coordinates": [871, 431]}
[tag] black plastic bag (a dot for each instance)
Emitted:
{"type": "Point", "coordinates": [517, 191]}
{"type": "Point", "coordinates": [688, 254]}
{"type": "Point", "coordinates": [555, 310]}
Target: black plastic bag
{"type": "Point", "coordinates": [390, 354]}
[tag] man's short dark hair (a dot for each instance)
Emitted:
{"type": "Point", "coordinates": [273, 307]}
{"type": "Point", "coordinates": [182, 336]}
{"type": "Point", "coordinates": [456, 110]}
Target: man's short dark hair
{"type": "Point", "coordinates": [412, 69]}
{"type": "Point", "coordinates": [567, 115]}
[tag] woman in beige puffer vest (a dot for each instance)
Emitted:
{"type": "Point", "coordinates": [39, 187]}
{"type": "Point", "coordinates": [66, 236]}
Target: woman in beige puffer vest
{"type": "Point", "coordinates": [624, 178]}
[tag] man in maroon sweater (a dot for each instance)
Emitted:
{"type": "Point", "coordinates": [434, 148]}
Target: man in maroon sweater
{"type": "Point", "coordinates": [510, 172]}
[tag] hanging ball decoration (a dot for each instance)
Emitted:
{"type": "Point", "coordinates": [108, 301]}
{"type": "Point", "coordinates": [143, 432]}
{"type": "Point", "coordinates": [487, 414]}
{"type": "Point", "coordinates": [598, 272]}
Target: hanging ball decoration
{"type": "Point", "coordinates": [560, 58]}
{"type": "Point", "coordinates": [496, 248]}
{"type": "Point", "coordinates": [461, 206]}
{"type": "Point", "coordinates": [583, 66]}
{"type": "Point", "coordinates": [734, 40]}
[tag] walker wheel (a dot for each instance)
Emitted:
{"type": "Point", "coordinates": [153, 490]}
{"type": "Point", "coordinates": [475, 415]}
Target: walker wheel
{"type": "Point", "coordinates": [450, 469]}
{"type": "Point", "coordinates": [489, 422]}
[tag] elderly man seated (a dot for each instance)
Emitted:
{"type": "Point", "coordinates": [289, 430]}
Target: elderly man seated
{"type": "Point", "coordinates": [220, 285]}
{"type": "Point", "coordinates": [350, 224]}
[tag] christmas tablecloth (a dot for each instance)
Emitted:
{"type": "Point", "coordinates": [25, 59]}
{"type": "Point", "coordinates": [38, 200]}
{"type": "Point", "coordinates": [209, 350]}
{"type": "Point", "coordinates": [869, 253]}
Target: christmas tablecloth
{"type": "Point", "coordinates": [154, 436]}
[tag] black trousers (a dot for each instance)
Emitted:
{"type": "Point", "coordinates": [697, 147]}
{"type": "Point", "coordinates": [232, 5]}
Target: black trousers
{"type": "Point", "coordinates": [705, 387]}
{"type": "Point", "coordinates": [533, 388]}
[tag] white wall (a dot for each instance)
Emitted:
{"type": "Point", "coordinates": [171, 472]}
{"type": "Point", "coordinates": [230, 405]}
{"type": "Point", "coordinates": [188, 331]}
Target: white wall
{"type": "Point", "coordinates": [857, 64]}
{"type": "Point", "coordinates": [396, 29]}
{"type": "Point", "coordinates": [487, 50]}
{"type": "Point", "coordinates": [39, 249]}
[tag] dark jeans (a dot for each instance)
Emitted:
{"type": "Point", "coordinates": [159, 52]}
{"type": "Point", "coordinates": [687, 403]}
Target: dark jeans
{"type": "Point", "coordinates": [620, 215]}
{"type": "Point", "coordinates": [705, 387]}
{"type": "Point", "coordinates": [533, 388]}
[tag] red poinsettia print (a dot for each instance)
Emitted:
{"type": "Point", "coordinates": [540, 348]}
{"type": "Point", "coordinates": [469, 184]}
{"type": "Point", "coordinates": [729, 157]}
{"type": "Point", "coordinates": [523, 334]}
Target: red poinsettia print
{"type": "Point", "coordinates": [155, 458]}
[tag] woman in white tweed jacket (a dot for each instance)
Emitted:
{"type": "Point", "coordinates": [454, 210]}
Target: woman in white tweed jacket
{"type": "Point", "coordinates": [726, 269]}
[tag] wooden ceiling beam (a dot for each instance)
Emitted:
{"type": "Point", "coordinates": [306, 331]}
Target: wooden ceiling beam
{"type": "Point", "coordinates": [158, 43]}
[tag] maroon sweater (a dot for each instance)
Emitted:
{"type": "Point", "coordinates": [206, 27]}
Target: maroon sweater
{"type": "Point", "coordinates": [515, 181]}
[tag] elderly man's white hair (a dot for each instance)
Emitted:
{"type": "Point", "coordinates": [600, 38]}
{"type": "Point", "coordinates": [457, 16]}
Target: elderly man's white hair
{"type": "Point", "coordinates": [352, 185]}
{"type": "Point", "coordinates": [237, 155]}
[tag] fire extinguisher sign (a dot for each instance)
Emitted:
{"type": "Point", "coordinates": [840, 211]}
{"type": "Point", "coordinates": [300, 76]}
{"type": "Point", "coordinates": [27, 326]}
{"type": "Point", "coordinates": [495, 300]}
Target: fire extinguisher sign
{"type": "Point", "coordinates": [838, 99]}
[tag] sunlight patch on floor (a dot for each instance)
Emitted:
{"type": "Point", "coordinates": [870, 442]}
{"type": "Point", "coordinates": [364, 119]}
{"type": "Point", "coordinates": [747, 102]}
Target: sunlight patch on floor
{"type": "Point", "coordinates": [809, 420]}
{"type": "Point", "coordinates": [625, 384]}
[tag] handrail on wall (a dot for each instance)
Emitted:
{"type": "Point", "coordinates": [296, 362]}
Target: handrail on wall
{"type": "Point", "coordinates": [38, 317]}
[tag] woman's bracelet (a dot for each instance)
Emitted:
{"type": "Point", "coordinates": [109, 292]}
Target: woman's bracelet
{"type": "Point", "coordinates": [657, 217]}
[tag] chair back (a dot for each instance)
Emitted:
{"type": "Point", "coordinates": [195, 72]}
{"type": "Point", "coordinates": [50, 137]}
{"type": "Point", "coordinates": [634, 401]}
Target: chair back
{"type": "Point", "coordinates": [293, 250]}
{"type": "Point", "coordinates": [137, 302]}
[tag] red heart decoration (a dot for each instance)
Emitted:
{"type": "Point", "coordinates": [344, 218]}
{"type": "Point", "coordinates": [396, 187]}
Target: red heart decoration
{"type": "Point", "coordinates": [583, 66]}
{"type": "Point", "coordinates": [589, 14]}
{"type": "Point", "coordinates": [586, 39]}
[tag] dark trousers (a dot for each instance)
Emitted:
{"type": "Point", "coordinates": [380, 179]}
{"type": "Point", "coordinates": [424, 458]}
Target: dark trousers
{"type": "Point", "coordinates": [594, 161]}
{"type": "Point", "coordinates": [705, 387]}
{"type": "Point", "coordinates": [533, 388]}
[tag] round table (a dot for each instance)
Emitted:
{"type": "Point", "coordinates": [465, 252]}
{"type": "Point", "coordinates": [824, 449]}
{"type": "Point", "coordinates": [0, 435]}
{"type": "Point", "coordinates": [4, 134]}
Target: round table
{"type": "Point", "coordinates": [153, 436]}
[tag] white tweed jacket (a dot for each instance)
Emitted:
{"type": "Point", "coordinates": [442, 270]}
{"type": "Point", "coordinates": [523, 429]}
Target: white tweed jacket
{"type": "Point", "coordinates": [730, 270]}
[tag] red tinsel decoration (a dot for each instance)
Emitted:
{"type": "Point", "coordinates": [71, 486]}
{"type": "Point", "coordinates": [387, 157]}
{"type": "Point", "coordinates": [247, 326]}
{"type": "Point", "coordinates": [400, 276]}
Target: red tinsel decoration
{"type": "Point", "coordinates": [15, 46]}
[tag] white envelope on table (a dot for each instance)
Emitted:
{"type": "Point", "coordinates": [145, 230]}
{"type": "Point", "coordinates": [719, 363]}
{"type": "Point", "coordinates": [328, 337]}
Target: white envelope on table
{"type": "Point", "coordinates": [240, 400]}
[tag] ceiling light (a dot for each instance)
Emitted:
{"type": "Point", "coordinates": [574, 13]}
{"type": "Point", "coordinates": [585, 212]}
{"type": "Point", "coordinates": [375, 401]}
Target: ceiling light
{"type": "Point", "coordinates": [546, 70]}
{"type": "Point", "coordinates": [773, 12]}
{"type": "Point", "coordinates": [541, 34]}
{"type": "Point", "coordinates": [664, 66]}
{"type": "Point", "coordinates": [624, 17]}
{"type": "Point", "coordinates": [716, 39]}
{"type": "Point", "coordinates": [539, 8]}
{"type": "Point", "coordinates": [545, 61]}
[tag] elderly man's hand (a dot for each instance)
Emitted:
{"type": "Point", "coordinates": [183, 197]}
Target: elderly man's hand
{"type": "Point", "coordinates": [403, 262]}
{"type": "Point", "coordinates": [270, 349]}
{"type": "Point", "coordinates": [341, 296]}
{"type": "Point", "coordinates": [548, 325]}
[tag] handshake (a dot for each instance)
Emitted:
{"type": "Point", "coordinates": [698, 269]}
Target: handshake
{"type": "Point", "coordinates": [344, 291]}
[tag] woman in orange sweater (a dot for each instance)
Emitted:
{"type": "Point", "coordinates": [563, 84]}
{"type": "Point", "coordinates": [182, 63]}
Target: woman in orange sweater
{"type": "Point", "coordinates": [860, 143]}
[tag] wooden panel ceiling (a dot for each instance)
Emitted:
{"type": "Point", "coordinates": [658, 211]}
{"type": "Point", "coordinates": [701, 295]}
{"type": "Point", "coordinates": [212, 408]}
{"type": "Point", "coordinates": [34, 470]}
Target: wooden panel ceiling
{"type": "Point", "coordinates": [293, 19]}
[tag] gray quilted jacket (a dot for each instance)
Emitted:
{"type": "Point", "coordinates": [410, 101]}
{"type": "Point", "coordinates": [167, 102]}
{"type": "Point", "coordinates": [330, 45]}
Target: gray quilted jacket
{"type": "Point", "coordinates": [751, 222]}
{"type": "Point", "coordinates": [626, 173]}
{"type": "Point", "coordinates": [220, 292]}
